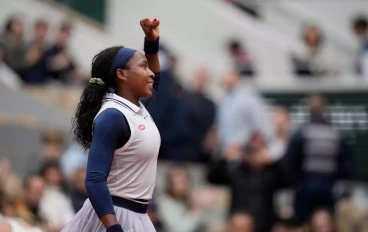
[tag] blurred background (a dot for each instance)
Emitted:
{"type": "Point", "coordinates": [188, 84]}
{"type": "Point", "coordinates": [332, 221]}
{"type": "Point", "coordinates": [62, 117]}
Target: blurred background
{"type": "Point", "coordinates": [262, 110]}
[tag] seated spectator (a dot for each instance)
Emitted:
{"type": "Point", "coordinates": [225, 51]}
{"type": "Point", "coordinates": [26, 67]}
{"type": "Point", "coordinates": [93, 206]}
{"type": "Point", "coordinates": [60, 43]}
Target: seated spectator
{"type": "Point", "coordinates": [253, 183]}
{"type": "Point", "coordinates": [360, 27]}
{"type": "Point", "coordinates": [241, 58]}
{"type": "Point", "coordinates": [311, 60]}
{"type": "Point", "coordinates": [16, 55]}
{"type": "Point", "coordinates": [28, 208]}
{"type": "Point", "coordinates": [154, 216]}
{"type": "Point", "coordinates": [78, 192]}
{"type": "Point", "coordinates": [176, 210]}
{"type": "Point", "coordinates": [8, 209]}
{"type": "Point", "coordinates": [54, 197]}
{"type": "Point", "coordinates": [60, 63]}
{"type": "Point", "coordinates": [7, 76]}
{"type": "Point", "coordinates": [12, 225]}
{"type": "Point", "coordinates": [72, 159]}
{"type": "Point", "coordinates": [52, 147]}
{"type": "Point", "coordinates": [37, 72]}
{"type": "Point", "coordinates": [13, 43]}
{"type": "Point", "coordinates": [10, 183]}
{"type": "Point", "coordinates": [348, 215]}
{"type": "Point", "coordinates": [363, 224]}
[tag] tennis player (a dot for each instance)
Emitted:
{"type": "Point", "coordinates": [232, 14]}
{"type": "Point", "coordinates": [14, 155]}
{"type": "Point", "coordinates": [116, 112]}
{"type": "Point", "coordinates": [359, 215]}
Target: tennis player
{"type": "Point", "coordinates": [123, 141]}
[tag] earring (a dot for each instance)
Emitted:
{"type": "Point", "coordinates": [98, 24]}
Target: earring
{"type": "Point", "coordinates": [124, 80]}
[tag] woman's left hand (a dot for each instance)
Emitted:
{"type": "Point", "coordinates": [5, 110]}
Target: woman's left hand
{"type": "Point", "coordinates": [151, 28]}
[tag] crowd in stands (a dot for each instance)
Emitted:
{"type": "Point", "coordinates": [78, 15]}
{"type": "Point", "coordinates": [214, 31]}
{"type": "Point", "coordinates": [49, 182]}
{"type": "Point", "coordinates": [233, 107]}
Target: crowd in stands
{"type": "Point", "coordinates": [244, 148]}
{"type": "Point", "coordinates": [34, 59]}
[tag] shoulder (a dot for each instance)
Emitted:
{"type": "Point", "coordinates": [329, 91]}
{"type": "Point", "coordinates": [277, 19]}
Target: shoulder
{"type": "Point", "coordinates": [110, 117]}
{"type": "Point", "coordinates": [110, 114]}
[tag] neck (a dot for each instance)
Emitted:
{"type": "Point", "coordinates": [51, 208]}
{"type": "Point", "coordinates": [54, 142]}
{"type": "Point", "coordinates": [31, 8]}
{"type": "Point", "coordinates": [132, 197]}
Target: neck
{"type": "Point", "coordinates": [127, 95]}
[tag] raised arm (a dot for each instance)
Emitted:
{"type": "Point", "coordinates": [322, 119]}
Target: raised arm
{"type": "Point", "coordinates": [151, 30]}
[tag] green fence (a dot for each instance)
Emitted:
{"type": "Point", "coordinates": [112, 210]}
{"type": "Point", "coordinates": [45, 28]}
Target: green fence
{"type": "Point", "coordinates": [348, 112]}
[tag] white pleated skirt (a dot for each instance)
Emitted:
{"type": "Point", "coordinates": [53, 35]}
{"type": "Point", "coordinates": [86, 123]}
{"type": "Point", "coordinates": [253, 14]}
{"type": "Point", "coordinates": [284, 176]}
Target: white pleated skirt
{"type": "Point", "coordinates": [86, 220]}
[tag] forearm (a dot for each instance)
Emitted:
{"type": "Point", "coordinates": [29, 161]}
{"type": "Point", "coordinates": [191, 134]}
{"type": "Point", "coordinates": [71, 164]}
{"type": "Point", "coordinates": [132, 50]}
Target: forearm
{"type": "Point", "coordinates": [151, 47]}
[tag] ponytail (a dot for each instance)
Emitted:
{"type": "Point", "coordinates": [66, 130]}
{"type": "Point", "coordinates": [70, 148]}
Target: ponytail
{"type": "Point", "coordinates": [93, 95]}
{"type": "Point", "coordinates": [88, 107]}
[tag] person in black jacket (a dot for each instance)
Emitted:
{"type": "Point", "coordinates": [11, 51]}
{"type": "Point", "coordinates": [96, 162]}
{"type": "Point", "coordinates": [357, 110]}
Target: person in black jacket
{"type": "Point", "coordinates": [319, 156]}
{"type": "Point", "coordinates": [253, 183]}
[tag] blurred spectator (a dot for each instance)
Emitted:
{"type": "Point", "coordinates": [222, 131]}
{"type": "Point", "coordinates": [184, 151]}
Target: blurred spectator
{"type": "Point", "coordinates": [252, 183]}
{"type": "Point", "coordinates": [13, 225]}
{"type": "Point", "coordinates": [319, 156]}
{"type": "Point", "coordinates": [78, 189]}
{"type": "Point", "coordinates": [347, 215]}
{"type": "Point", "coordinates": [10, 184]}
{"type": "Point", "coordinates": [163, 108]}
{"type": "Point", "coordinates": [60, 63]}
{"type": "Point", "coordinates": [360, 30]}
{"type": "Point", "coordinates": [176, 209]}
{"type": "Point", "coordinates": [322, 221]}
{"type": "Point", "coordinates": [17, 56]}
{"type": "Point", "coordinates": [8, 208]}
{"type": "Point", "coordinates": [242, 113]}
{"type": "Point", "coordinates": [154, 216]}
{"type": "Point", "coordinates": [40, 33]}
{"type": "Point", "coordinates": [13, 44]}
{"type": "Point", "coordinates": [193, 118]}
{"type": "Point", "coordinates": [54, 197]}
{"type": "Point", "coordinates": [72, 159]}
{"type": "Point", "coordinates": [281, 122]}
{"type": "Point", "coordinates": [241, 58]}
{"type": "Point", "coordinates": [241, 222]}
{"type": "Point", "coordinates": [7, 76]}
{"type": "Point", "coordinates": [52, 147]}
{"type": "Point", "coordinates": [37, 72]}
{"type": "Point", "coordinates": [363, 225]}
{"type": "Point", "coordinates": [311, 60]}
{"type": "Point", "coordinates": [28, 208]}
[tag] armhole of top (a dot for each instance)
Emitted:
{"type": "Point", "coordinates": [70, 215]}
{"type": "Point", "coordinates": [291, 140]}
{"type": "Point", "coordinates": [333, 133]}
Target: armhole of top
{"type": "Point", "coordinates": [130, 128]}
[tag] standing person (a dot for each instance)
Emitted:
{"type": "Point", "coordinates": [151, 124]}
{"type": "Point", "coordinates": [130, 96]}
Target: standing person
{"type": "Point", "coordinates": [123, 141]}
{"type": "Point", "coordinates": [242, 113]}
{"type": "Point", "coordinates": [319, 156]}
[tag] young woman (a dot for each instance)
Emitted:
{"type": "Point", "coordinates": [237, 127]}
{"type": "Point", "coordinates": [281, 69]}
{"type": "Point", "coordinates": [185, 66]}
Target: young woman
{"type": "Point", "coordinates": [123, 141]}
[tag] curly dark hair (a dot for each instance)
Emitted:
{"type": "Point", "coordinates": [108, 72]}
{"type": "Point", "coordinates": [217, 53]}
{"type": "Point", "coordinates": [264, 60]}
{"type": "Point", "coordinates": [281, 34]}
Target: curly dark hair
{"type": "Point", "coordinates": [93, 96]}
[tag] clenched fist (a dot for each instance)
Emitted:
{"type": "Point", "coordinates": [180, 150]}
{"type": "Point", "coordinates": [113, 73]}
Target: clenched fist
{"type": "Point", "coordinates": [151, 28]}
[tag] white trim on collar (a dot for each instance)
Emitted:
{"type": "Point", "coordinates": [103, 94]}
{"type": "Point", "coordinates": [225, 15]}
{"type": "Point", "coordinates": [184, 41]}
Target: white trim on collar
{"type": "Point", "coordinates": [124, 101]}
